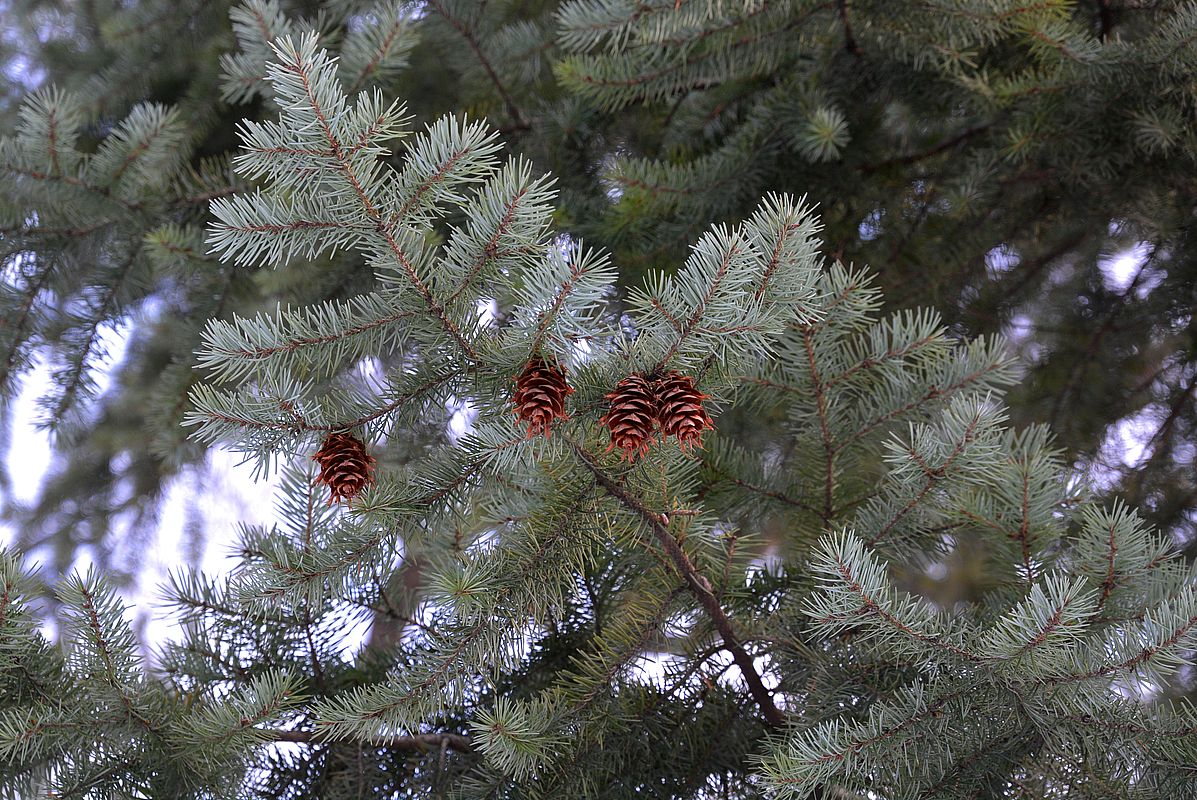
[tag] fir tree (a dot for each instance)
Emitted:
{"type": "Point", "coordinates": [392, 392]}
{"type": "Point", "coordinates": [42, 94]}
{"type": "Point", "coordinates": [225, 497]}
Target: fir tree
{"type": "Point", "coordinates": [698, 622]}
{"type": "Point", "coordinates": [988, 158]}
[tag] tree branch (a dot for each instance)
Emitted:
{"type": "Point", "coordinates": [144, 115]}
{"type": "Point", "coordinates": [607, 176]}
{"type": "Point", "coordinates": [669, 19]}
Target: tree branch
{"type": "Point", "coordinates": [829, 445]}
{"type": "Point", "coordinates": [698, 585]}
{"type": "Point", "coordinates": [850, 43]}
{"type": "Point", "coordinates": [518, 120]}
{"type": "Point", "coordinates": [1105, 17]}
{"type": "Point", "coordinates": [914, 158]}
{"type": "Point", "coordinates": [1160, 443]}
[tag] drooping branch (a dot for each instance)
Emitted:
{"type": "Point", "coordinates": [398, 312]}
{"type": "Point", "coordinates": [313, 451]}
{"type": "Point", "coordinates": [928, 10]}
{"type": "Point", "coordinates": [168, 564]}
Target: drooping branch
{"type": "Point", "coordinates": [698, 585]}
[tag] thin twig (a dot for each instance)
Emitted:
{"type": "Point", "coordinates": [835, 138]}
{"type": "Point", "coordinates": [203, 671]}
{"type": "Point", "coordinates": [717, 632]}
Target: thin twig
{"type": "Point", "coordinates": [850, 43]}
{"type": "Point", "coordinates": [518, 119]}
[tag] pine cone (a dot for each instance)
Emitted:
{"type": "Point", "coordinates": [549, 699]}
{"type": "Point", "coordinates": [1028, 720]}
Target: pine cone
{"type": "Point", "coordinates": [540, 392]}
{"type": "Point", "coordinates": [345, 466]}
{"type": "Point", "coordinates": [631, 416]}
{"type": "Point", "coordinates": [681, 411]}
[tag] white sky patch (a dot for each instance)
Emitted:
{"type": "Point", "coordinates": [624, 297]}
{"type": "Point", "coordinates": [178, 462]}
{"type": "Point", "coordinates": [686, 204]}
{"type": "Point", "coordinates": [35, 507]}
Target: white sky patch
{"type": "Point", "coordinates": [1119, 269]}
{"type": "Point", "coordinates": [30, 451]}
{"type": "Point", "coordinates": [1019, 332]}
{"type": "Point", "coordinates": [31, 446]}
{"type": "Point", "coordinates": [372, 373]}
{"type": "Point", "coordinates": [462, 420]}
{"type": "Point", "coordinates": [1019, 328]}
{"type": "Point", "coordinates": [937, 570]}
{"type": "Point", "coordinates": [20, 68]}
{"type": "Point", "coordinates": [582, 350]}
{"type": "Point", "coordinates": [1001, 260]}
{"type": "Point", "coordinates": [488, 312]}
{"type": "Point", "coordinates": [111, 345]}
{"type": "Point", "coordinates": [1125, 446]}
{"type": "Point", "coordinates": [224, 492]}
{"type": "Point", "coordinates": [229, 496]}
{"type": "Point", "coordinates": [870, 226]}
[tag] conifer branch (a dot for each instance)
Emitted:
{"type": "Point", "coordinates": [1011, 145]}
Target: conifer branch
{"type": "Point", "coordinates": [773, 494]}
{"type": "Point", "coordinates": [22, 324]}
{"type": "Point", "coordinates": [562, 293]}
{"type": "Point", "coordinates": [251, 352]}
{"type": "Point", "coordinates": [686, 328]}
{"type": "Point", "coordinates": [490, 250]}
{"type": "Point", "coordinates": [537, 585]}
{"type": "Point", "coordinates": [829, 445]}
{"type": "Point", "coordinates": [518, 120]}
{"type": "Point", "coordinates": [931, 152]}
{"type": "Point", "coordinates": [102, 191]}
{"type": "Point", "coordinates": [933, 476]}
{"type": "Point", "coordinates": [699, 586]}
{"type": "Point", "coordinates": [437, 309]}
{"type": "Point", "coordinates": [73, 379]}
{"type": "Point", "coordinates": [933, 394]}
{"type": "Point", "coordinates": [850, 43]}
{"type": "Point", "coordinates": [296, 67]}
{"type": "Point", "coordinates": [1160, 441]}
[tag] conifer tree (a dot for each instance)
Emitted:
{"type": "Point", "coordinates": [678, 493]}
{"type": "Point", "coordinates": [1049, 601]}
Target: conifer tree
{"type": "Point", "coordinates": [716, 617]}
{"type": "Point", "coordinates": [988, 157]}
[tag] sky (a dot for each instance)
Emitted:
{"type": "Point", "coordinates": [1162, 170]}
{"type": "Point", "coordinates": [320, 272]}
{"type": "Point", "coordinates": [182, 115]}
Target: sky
{"type": "Point", "coordinates": [222, 486]}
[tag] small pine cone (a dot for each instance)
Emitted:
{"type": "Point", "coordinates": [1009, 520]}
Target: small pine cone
{"type": "Point", "coordinates": [345, 466]}
{"type": "Point", "coordinates": [540, 392]}
{"type": "Point", "coordinates": [631, 416]}
{"type": "Point", "coordinates": [681, 410]}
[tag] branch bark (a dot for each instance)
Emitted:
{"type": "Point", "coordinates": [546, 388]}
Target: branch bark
{"type": "Point", "coordinates": [850, 43]}
{"type": "Point", "coordinates": [914, 158]}
{"type": "Point", "coordinates": [698, 585]}
{"type": "Point", "coordinates": [1106, 19]}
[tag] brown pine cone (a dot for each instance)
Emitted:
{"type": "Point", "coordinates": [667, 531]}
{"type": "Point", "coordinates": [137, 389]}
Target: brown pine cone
{"type": "Point", "coordinates": [345, 466]}
{"type": "Point", "coordinates": [681, 411]}
{"type": "Point", "coordinates": [540, 392]}
{"type": "Point", "coordinates": [631, 416]}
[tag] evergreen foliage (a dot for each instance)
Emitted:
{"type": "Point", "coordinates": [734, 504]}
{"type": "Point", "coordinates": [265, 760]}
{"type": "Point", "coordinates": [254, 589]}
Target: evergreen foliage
{"type": "Point", "coordinates": [723, 622]}
{"type": "Point", "coordinates": [991, 158]}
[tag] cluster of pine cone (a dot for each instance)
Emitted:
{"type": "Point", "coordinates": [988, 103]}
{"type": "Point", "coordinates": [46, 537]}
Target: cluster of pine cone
{"type": "Point", "coordinates": [643, 406]}
{"type": "Point", "coordinates": [640, 408]}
